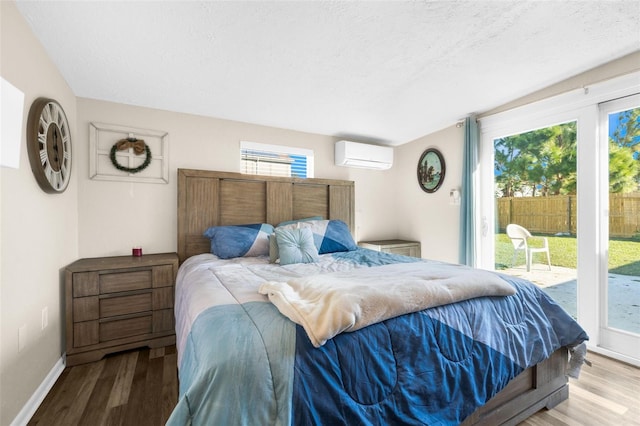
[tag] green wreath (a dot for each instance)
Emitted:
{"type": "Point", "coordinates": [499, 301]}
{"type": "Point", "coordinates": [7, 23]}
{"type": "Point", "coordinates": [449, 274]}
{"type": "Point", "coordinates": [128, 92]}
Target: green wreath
{"type": "Point", "coordinates": [141, 167]}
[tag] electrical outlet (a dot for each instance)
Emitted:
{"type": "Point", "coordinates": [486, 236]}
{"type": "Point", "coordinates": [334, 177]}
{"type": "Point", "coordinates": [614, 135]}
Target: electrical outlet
{"type": "Point", "coordinates": [45, 317]}
{"type": "Point", "coordinates": [22, 337]}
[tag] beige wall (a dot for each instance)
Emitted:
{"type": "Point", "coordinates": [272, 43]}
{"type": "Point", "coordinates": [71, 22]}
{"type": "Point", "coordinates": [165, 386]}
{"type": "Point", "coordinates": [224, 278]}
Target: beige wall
{"type": "Point", "coordinates": [39, 231]}
{"type": "Point", "coordinates": [114, 216]}
{"type": "Point", "coordinates": [428, 217]}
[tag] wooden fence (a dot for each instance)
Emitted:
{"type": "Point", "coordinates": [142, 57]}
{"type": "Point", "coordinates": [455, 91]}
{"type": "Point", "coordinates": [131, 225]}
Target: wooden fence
{"type": "Point", "coordinates": [557, 214]}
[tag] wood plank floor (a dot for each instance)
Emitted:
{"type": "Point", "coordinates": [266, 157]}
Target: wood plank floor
{"type": "Point", "coordinates": [607, 393]}
{"type": "Point", "coordinates": [141, 388]}
{"type": "Point", "coordinates": [138, 387]}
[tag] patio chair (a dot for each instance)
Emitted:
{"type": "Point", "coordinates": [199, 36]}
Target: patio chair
{"type": "Point", "coordinates": [520, 239]}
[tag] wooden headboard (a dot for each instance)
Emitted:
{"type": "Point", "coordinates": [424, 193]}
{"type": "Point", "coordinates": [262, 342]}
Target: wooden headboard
{"type": "Point", "coordinates": [210, 198]}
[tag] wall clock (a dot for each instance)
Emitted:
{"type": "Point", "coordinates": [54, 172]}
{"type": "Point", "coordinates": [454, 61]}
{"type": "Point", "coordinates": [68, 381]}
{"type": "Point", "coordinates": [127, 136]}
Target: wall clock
{"type": "Point", "coordinates": [49, 145]}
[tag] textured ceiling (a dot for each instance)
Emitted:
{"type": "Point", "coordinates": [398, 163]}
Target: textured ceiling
{"type": "Point", "coordinates": [386, 71]}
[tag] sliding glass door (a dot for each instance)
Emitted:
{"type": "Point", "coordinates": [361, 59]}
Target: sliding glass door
{"type": "Point", "coordinates": [597, 189]}
{"type": "Point", "coordinates": [619, 146]}
{"type": "Point", "coordinates": [535, 192]}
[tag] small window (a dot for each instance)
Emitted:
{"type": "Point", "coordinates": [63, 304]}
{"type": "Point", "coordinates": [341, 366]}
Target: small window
{"type": "Point", "coordinates": [275, 160]}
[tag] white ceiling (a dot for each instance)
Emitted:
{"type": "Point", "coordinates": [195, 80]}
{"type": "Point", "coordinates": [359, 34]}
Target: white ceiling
{"type": "Point", "coordinates": [385, 71]}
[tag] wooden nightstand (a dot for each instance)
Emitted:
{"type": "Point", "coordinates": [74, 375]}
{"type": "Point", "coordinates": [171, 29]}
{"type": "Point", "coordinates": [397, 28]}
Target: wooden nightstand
{"type": "Point", "coordinates": [119, 303]}
{"type": "Point", "coordinates": [403, 247]}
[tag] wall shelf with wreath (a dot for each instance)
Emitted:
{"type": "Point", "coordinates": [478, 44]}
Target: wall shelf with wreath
{"type": "Point", "coordinates": [130, 154]}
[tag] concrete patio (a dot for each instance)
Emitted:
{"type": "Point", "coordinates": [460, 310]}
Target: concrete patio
{"type": "Point", "coordinates": [560, 284]}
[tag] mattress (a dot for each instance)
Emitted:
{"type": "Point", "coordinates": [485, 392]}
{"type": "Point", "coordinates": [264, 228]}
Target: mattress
{"type": "Point", "coordinates": [242, 362]}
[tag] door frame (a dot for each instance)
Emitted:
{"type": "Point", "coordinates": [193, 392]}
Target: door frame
{"type": "Point", "coordinates": [580, 104]}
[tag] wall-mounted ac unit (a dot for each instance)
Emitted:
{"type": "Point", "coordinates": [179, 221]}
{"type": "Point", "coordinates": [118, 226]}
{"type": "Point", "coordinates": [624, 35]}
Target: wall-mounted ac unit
{"type": "Point", "coordinates": [362, 155]}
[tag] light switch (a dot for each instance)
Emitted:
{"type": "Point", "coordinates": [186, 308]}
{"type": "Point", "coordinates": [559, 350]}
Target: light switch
{"type": "Point", "coordinates": [454, 197]}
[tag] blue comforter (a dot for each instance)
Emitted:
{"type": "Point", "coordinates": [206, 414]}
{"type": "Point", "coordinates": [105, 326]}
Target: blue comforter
{"type": "Point", "coordinates": [243, 363]}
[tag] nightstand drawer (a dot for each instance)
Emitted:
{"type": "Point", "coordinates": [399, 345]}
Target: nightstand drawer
{"type": "Point", "coordinates": [125, 281]}
{"type": "Point", "coordinates": [85, 284]}
{"type": "Point", "coordinates": [162, 320]}
{"type": "Point", "coordinates": [404, 251]}
{"type": "Point", "coordinates": [163, 276]}
{"type": "Point", "coordinates": [124, 305]}
{"type": "Point", "coordinates": [85, 333]}
{"type": "Point", "coordinates": [86, 309]}
{"type": "Point", "coordinates": [163, 298]}
{"type": "Point", "coordinates": [126, 327]}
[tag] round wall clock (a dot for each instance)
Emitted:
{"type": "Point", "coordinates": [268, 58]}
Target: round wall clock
{"type": "Point", "coordinates": [49, 145]}
{"type": "Point", "coordinates": [431, 170]}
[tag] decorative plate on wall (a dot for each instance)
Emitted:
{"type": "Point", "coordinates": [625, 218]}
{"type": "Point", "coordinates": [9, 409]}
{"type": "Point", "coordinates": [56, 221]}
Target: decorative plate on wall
{"type": "Point", "coordinates": [431, 169]}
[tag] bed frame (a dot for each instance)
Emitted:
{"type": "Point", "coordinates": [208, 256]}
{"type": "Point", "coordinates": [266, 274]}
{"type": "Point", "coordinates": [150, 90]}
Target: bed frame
{"type": "Point", "coordinates": [208, 198]}
{"type": "Point", "coordinates": [211, 198]}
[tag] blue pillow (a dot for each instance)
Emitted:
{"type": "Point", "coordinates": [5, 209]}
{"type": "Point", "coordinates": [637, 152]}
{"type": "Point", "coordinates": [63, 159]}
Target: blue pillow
{"type": "Point", "coordinates": [273, 243]}
{"type": "Point", "coordinates": [329, 236]}
{"type": "Point", "coordinates": [296, 246]}
{"type": "Point", "coordinates": [232, 241]}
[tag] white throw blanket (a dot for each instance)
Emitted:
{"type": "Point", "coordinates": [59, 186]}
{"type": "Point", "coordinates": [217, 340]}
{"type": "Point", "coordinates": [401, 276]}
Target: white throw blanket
{"type": "Point", "coordinates": [329, 304]}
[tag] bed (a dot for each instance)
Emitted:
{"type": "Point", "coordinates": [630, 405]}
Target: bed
{"type": "Point", "coordinates": [250, 354]}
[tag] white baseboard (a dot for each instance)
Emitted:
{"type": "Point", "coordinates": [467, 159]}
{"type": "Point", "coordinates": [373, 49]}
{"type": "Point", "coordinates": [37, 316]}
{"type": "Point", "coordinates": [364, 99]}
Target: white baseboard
{"type": "Point", "coordinates": [39, 395]}
{"type": "Point", "coordinates": [615, 355]}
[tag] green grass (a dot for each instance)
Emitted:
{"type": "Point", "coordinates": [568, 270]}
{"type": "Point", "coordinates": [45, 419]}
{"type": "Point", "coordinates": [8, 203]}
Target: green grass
{"type": "Point", "coordinates": [624, 254]}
